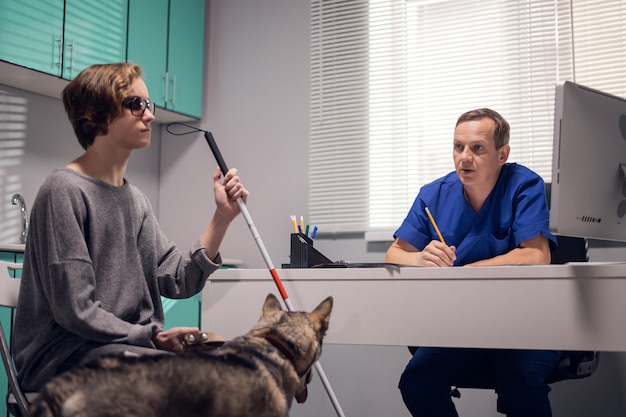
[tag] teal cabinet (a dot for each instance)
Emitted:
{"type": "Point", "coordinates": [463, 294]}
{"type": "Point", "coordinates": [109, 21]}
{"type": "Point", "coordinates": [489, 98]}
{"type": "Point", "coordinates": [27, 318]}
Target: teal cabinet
{"type": "Point", "coordinates": [166, 38]}
{"type": "Point", "coordinates": [185, 313]}
{"type": "Point", "coordinates": [95, 33]}
{"type": "Point", "coordinates": [6, 316]}
{"type": "Point", "coordinates": [147, 43]}
{"type": "Point", "coordinates": [186, 56]}
{"type": "Point", "coordinates": [31, 33]}
{"type": "Point", "coordinates": [62, 37]}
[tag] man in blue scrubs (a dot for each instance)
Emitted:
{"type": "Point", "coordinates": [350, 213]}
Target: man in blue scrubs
{"type": "Point", "coordinates": [489, 212]}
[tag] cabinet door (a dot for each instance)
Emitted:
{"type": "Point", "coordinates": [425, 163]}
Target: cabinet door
{"type": "Point", "coordinates": [95, 33]}
{"type": "Point", "coordinates": [185, 313]}
{"type": "Point", "coordinates": [147, 43]}
{"type": "Point", "coordinates": [31, 34]}
{"type": "Point", "coordinates": [6, 317]}
{"type": "Point", "coordinates": [185, 63]}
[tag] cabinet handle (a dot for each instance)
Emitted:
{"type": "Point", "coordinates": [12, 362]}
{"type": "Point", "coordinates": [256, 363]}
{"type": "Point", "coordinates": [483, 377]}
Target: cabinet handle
{"type": "Point", "coordinates": [167, 83]}
{"type": "Point", "coordinates": [174, 90]}
{"type": "Point", "coordinates": [60, 42]}
{"type": "Point", "coordinates": [72, 59]}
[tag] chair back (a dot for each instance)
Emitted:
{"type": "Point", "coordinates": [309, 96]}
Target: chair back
{"type": "Point", "coordinates": [9, 286]}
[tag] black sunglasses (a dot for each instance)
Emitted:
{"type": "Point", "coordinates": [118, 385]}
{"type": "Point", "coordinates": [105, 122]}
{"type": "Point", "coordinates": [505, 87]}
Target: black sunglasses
{"type": "Point", "coordinates": [138, 105]}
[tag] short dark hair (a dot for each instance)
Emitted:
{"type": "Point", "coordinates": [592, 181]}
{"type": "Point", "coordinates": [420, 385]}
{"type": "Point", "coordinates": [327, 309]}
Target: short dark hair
{"type": "Point", "coordinates": [502, 129]}
{"type": "Point", "coordinates": [93, 99]}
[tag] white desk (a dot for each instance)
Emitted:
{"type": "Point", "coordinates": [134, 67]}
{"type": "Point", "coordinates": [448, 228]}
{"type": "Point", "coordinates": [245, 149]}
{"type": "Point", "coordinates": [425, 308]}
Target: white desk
{"type": "Point", "coordinates": [574, 307]}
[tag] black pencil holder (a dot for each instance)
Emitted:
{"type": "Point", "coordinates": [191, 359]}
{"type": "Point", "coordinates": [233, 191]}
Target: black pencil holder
{"type": "Point", "coordinates": [303, 254]}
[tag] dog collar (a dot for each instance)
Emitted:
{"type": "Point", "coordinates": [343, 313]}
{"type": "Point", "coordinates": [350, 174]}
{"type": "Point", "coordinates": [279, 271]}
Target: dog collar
{"type": "Point", "coordinates": [303, 394]}
{"type": "Point", "coordinates": [282, 349]}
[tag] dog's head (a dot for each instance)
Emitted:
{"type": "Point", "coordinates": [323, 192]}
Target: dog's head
{"type": "Point", "coordinates": [298, 334]}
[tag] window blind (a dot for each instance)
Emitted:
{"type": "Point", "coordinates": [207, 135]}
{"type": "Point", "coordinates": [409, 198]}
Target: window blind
{"type": "Point", "coordinates": [389, 78]}
{"type": "Point", "coordinates": [600, 45]}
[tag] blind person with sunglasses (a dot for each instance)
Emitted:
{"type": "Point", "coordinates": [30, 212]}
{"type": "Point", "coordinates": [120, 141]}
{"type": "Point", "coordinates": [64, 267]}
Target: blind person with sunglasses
{"type": "Point", "coordinates": [96, 261]}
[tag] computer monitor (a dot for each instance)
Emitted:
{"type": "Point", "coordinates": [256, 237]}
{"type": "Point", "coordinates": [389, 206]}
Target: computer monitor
{"type": "Point", "coordinates": [588, 197]}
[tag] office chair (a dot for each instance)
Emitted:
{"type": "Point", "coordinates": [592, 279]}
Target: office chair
{"type": "Point", "coordinates": [17, 401]}
{"type": "Point", "coordinates": [573, 364]}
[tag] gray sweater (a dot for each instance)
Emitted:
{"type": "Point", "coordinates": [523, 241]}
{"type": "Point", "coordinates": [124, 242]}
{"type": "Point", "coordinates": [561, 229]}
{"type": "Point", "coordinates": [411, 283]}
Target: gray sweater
{"type": "Point", "coordinates": [95, 266]}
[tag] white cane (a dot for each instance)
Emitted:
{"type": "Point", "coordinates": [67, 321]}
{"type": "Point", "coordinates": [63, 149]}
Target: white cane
{"type": "Point", "coordinates": [270, 266]}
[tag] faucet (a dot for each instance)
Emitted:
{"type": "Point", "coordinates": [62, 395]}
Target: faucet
{"type": "Point", "coordinates": [17, 199]}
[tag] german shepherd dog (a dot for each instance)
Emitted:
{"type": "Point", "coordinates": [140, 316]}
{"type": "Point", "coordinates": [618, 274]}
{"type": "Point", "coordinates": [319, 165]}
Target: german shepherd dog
{"type": "Point", "coordinates": [257, 374]}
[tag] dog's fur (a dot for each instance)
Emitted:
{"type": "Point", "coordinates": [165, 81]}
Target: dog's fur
{"type": "Point", "coordinates": [257, 374]}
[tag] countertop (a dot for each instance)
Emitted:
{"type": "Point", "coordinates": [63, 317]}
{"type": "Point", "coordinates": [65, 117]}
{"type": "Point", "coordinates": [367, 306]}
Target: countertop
{"type": "Point", "coordinates": [19, 248]}
{"type": "Point", "coordinates": [12, 247]}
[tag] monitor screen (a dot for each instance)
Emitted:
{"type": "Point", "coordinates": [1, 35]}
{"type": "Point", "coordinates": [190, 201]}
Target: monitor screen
{"type": "Point", "coordinates": [588, 197]}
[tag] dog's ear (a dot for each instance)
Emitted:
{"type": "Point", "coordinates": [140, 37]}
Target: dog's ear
{"type": "Point", "coordinates": [321, 314]}
{"type": "Point", "coordinates": [271, 304]}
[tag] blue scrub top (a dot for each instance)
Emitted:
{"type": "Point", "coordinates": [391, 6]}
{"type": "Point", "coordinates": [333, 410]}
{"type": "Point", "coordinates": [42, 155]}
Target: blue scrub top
{"type": "Point", "coordinates": [516, 210]}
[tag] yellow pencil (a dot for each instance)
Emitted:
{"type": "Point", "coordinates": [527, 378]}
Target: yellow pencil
{"type": "Point", "coordinates": [432, 220]}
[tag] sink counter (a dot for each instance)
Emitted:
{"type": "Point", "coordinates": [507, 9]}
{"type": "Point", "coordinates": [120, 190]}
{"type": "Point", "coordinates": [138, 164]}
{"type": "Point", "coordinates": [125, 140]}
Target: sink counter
{"type": "Point", "coordinates": [12, 247]}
